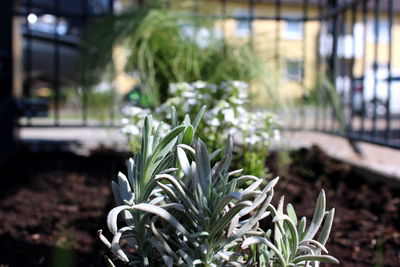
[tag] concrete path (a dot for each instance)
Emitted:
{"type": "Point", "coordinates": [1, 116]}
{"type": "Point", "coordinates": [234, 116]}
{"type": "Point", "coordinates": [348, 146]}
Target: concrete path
{"type": "Point", "coordinates": [377, 159]}
{"type": "Point", "coordinates": [381, 160]}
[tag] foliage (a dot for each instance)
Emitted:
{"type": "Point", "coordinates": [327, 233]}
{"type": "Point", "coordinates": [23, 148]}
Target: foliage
{"type": "Point", "coordinates": [166, 46]}
{"type": "Point", "coordinates": [178, 210]}
{"type": "Point", "coordinates": [293, 244]}
{"type": "Point", "coordinates": [227, 113]}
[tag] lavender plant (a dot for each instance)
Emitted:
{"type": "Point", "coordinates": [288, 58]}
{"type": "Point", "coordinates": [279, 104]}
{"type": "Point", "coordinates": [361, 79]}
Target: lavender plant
{"type": "Point", "coordinates": [175, 209]}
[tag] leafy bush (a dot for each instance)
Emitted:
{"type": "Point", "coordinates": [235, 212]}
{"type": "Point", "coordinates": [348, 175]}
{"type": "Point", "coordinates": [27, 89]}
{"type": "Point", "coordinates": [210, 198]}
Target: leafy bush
{"type": "Point", "coordinates": [227, 113]}
{"type": "Point", "coordinates": [178, 210]}
{"type": "Point", "coordinates": [165, 46]}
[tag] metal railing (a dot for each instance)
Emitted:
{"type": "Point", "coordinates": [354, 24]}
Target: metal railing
{"type": "Point", "coordinates": [345, 48]}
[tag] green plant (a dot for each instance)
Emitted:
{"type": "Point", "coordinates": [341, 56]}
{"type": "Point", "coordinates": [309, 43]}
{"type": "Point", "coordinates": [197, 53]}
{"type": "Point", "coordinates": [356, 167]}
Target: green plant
{"type": "Point", "coordinates": [178, 210]}
{"type": "Point", "coordinates": [227, 108]}
{"type": "Point", "coordinates": [293, 244]}
{"type": "Point", "coordinates": [165, 46]}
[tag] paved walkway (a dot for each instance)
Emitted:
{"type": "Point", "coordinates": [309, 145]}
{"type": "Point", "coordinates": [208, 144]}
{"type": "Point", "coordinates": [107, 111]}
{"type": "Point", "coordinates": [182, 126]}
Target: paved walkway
{"type": "Point", "coordinates": [378, 159]}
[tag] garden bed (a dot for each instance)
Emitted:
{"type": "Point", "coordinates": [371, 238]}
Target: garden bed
{"type": "Point", "coordinates": [52, 204]}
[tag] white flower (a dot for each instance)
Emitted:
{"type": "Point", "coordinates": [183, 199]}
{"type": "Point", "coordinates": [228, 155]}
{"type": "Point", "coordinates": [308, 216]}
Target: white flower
{"type": "Point", "coordinates": [277, 135]}
{"type": "Point", "coordinates": [130, 130]}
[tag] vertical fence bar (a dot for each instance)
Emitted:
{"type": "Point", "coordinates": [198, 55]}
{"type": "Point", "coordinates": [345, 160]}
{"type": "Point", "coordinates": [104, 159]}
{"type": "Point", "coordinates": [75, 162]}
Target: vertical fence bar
{"type": "Point", "coordinates": [304, 55]}
{"type": "Point", "coordinates": [333, 62]}
{"type": "Point", "coordinates": [353, 55]}
{"type": "Point", "coordinates": [84, 6]}
{"type": "Point", "coordinates": [375, 66]}
{"type": "Point", "coordinates": [278, 14]}
{"type": "Point", "coordinates": [327, 70]}
{"type": "Point", "coordinates": [112, 109]}
{"type": "Point", "coordinates": [28, 83]}
{"type": "Point", "coordinates": [364, 66]}
{"type": "Point", "coordinates": [342, 70]}
{"type": "Point", "coordinates": [318, 70]}
{"type": "Point", "coordinates": [56, 66]}
{"type": "Point", "coordinates": [7, 107]}
{"type": "Point", "coordinates": [390, 11]}
{"type": "Point", "coordinates": [223, 22]}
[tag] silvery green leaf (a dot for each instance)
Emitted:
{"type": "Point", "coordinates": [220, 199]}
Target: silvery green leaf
{"type": "Point", "coordinates": [174, 120]}
{"type": "Point", "coordinates": [187, 148]}
{"type": "Point", "coordinates": [188, 135]}
{"type": "Point", "coordinates": [169, 192]}
{"type": "Point", "coordinates": [163, 214]}
{"type": "Point", "coordinates": [168, 171]}
{"type": "Point", "coordinates": [113, 216]}
{"type": "Point", "coordinates": [315, 243]}
{"type": "Point", "coordinates": [305, 250]}
{"type": "Point", "coordinates": [182, 191]}
{"type": "Point", "coordinates": [260, 240]}
{"type": "Point", "coordinates": [261, 198]}
{"type": "Point", "coordinates": [302, 226]}
{"type": "Point", "coordinates": [157, 200]}
{"type": "Point", "coordinates": [232, 173]}
{"type": "Point", "coordinates": [130, 165]}
{"type": "Point", "coordinates": [317, 217]}
{"type": "Point", "coordinates": [293, 231]}
{"type": "Point", "coordinates": [223, 202]}
{"type": "Point", "coordinates": [186, 120]}
{"type": "Point", "coordinates": [203, 166]}
{"type": "Point", "coordinates": [232, 225]}
{"type": "Point", "coordinates": [228, 153]}
{"type": "Point", "coordinates": [103, 239]}
{"type": "Point", "coordinates": [157, 135]}
{"type": "Point", "coordinates": [124, 188]}
{"type": "Point", "coordinates": [279, 225]}
{"type": "Point", "coordinates": [292, 213]}
{"type": "Point", "coordinates": [225, 220]}
{"type": "Point", "coordinates": [252, 187]}
{"type": "Point", "coordinates": [116, 247]}
{"type": "Point", "coordinates": [198, 118]}
{"type": "Point", "coordinates": [184, 162]}
{"type": "Point", "coordinates": [326, 229]}
{"type": "Point", "coordinates": [318, 258]}
{"type": "Point", "coordinates": [116, 193]}
{"type": "Point", "coordinates": [245, 178]}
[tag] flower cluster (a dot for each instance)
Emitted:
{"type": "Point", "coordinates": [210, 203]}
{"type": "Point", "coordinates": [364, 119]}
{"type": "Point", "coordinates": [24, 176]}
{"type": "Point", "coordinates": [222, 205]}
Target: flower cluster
{"type": "Point", "coordinates": [227, 114]}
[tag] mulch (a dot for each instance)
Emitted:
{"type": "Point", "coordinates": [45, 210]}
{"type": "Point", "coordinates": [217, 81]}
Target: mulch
{"type": "Point", "coordinates": [52, 204]}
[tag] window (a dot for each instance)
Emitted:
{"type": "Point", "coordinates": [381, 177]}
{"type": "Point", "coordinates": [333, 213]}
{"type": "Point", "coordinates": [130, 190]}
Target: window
{"type": "Point", "coordinates": [293, 30]}
{"type": "Point", "coordinates": [243, 24]}
{"type": "Point", "coordinates": [294, 70]}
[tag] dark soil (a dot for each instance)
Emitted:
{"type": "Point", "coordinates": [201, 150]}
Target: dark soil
{"type": "Point", "coordinates": [52, 205]}
{"type": "Point", "coordinates": [366, 229]}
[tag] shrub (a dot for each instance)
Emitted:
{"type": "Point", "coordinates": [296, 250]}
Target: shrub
{"type": "Point", "coordinates": [227, 113]}
{"type": "Point", "coordinates": [178, 210]}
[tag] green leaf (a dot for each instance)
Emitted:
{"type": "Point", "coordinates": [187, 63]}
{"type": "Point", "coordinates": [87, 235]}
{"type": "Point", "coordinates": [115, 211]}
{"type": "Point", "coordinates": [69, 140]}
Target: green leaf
{"type": "Point", "coordinates": [188, 135]}
{"type": "Point", "coordinates": [318, 216]}
{"type": "Point", "coordinates": [198, 118]}
{"type": "Point", "coordinates": [326, 229]}
{"type": "Point", "coordinates": [203, 166]}
{"type": "Point", "coordinates": [319, 258]}
{"type": "Point", "coordinates": [292, 213]}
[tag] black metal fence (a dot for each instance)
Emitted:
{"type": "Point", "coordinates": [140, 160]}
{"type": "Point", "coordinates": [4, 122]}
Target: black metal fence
{"type": "Point", "coordinates": [339, 56]}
